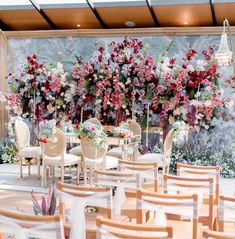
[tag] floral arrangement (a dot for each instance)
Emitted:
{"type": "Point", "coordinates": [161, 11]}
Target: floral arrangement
{"type": "Point", "coordinates": [11, 126]}
{"type": "Point", "coordinates": [94, 132]}
{"type": "Point", "coordinates": [214, 146]}
{"type": "Point", "coordinates": [117, 80]}
{"type": "Point", "coordinates": [36, 89]}
{"type": "Point", "coordinates": [46, 129]}
{"type": "Point", "coordinates": [122, 132]}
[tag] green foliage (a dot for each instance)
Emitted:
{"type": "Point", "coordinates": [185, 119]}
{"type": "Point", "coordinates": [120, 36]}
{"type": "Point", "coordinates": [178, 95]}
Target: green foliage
{"type": "Point", "coordinates": [8, 151]}
{"type": "Point", "coordinates": [208, 147]}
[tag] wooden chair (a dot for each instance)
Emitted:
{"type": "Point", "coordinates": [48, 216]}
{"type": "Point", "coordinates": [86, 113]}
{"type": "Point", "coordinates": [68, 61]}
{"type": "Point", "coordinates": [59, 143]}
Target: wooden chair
{"type": "Point", "coordinates": [185, 170]}
{"type": "Point", "coordinates": [23, 225]}
{"type": "Point", "coordinates": [54, 155]}
{"type": "Point", "coordinates": [112, 229]}
{"type": "Point", "coordinates": [226, 214]}
{"type": "Point", "coordinates": [23, 144]}
{"type": "Point", "coordinates": [163, 160]}
{"type": "Point", "coordinates": [77, 149]}
{"type": "Point", "coordinates": [217, 235]}
{"type": "Point", "coordinates": [180, 211]}
{"type": "Point", "coordinates": [148, 172]}
{"type": "Point", "coordinates": [126, 185]}
{"type": "Point", "coordinates": [75, 199]}
{"type": "Point", "coordinates": [204, 187]}
{"type": "Point", "coordinates": [94, 157]}
{"type": "Point", "coordinates": [131, 148]}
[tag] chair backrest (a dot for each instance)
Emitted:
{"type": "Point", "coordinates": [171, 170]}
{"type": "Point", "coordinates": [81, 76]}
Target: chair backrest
{"type": "Point", "coordinates": [125, 183]}
{"type": "Point", "coordinates": [168, 143]}
{"type": "Point", "coordinates": [148, 171]}
{"type": "Point", "coordinates": [22, 225]}
{"type": "Point", "coordinates": [92, 151]}
{"type": "Point", "coordinates": [226, 212]}
{"type": "Point", "coordinates": [204, 187]}
{"type": "Point", "coordinates": [217, 235]}
{"type": "Point", "coordinates": [115, 229]}
{"type": "Point", "coordinates": [22, 134]}
{"type": "Point", "coordinates": [94, 121]}
{"type": "Point", "coordinates": [78, 198]}
{"type": "Point", "coordinates": [134, 127]}
{"type": "Point", "coordinates": [185, 170]}
{"type": "Point", "coordinates": [56, 145]}
{"type": "Point", "coordinates": [103, 193]}
{"type": "Point", "coordinates": [174, 207]}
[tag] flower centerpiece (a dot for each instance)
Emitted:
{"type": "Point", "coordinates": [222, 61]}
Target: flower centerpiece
{"type": "Point", "coordinates": [122, 132]}
{"type": "Point", "coordinates": [94, 132]}
{"type": "Point", "coordinates": [46, 130]}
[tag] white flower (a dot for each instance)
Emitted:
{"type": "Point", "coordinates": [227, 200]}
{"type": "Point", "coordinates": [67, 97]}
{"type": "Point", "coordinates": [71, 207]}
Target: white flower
{"type": "Point", "coordinates": [207, 103]}
{"type": "Point", "coordinates": [198, 94]}
{"type": "Point", "coordinates": [190, 68]}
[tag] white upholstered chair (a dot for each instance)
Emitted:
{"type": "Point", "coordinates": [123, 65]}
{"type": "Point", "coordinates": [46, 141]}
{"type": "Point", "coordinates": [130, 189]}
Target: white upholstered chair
{"type": "Point", "coordinates": [94, 157]}
{"type": "Point", "coordinates": [163, 160]}
{"type": "Point", "coordinates": [131, 149]}
{"type": "Point", "coordinates": [54, 155]}
{"type": "Point", "coordinates": [23, 144]}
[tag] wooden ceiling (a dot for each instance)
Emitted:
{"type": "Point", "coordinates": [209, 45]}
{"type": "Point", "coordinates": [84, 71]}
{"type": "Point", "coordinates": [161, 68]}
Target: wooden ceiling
{"type": "Point", "coordinates": [86, 14]}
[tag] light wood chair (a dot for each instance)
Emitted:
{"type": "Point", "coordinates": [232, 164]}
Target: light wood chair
{"type": "Point", "coordinates": [217, 235]}
{"type": "Point", "coordinates": [148, 172]}
{"type": "Point", "coordinates": [54, 155]}
{"type": "Point", "coordinates": [98, 197]}
{"type": "Point", "coordinates": [25, 150]}
{"type": "Point", "coordinates": [95, 157]}
{"type": "Point", "coordinates": [113, 229]}
{"type": "Point", "coordinates": [226, 214]}
{"type": "Point", "coordinates": [163, 160]}
{"type": "Point", "coordinates": [130, 149]}
{"type": "Point", "coordinates": [204, 187]}
{"type": "Point", "coordinates": [178, 211]}
{"type": "Point", "coordinates": [23, 225]}
{"type": "Point", "coordinates": [185, 170]}
{"type": "Point", "coordinates": [126, 185]}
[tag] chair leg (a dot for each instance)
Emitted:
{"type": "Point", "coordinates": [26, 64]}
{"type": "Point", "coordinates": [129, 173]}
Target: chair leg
{"type": "Point", "coordinates": [21, 169]}
{"type": "Point", "coordinates": [29, 168]}
{"type": "Point", "coordinates": [85, 176]}
{"type": "Point", "coordinates": [39, 162]}
{"type": "Point", "coordinates": [78, 172]}
{"type": "Point", "coordinates": [62, 174]}
{"type": "Point", "coordinates": [44, 176]}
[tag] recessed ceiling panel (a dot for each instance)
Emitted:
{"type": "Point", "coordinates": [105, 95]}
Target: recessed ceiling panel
{"type": "Point", "coordinates": [72, 18]}
{"type": "Point", "coordinates": [225, 11]}
{"type": "Point", "coordinates": [184, 15]}
{"type": "Point", "coordinates": [23, 20]}
{"type": "Point", "coordinates": [115, 17]}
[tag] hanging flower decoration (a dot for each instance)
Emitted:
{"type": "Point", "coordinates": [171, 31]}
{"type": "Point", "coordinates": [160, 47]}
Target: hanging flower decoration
{"type": "Point", "coordinates": [94, 132]}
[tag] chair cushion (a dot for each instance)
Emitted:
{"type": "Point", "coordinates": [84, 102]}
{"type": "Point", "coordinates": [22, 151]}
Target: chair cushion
{"type": "Point", "coordinates": [30, 152]}
{"type": "Point", "coordinates": [151, 157]}
{"type": "Point", "coordinates": [76, 150]}
{"type": "Point", "coordinates": [117, 151]}
{"type": "Point", "coordinates": [111, 162]}
{"type": "Point", "coordinates": [69, 159]}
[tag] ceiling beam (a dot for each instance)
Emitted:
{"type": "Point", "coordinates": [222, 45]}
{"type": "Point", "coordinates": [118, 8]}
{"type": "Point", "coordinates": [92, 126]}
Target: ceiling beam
{"type": "Point", "coordinates": [43, 14]}
{"type": "Point", "coordinates": [4, 26]}
{"type": "Point", "coordinates": [97, 15]}
{"type": "Point", "coordinates": [213, 13]}
{"type": "Point", "coordinates": [156, 22]}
